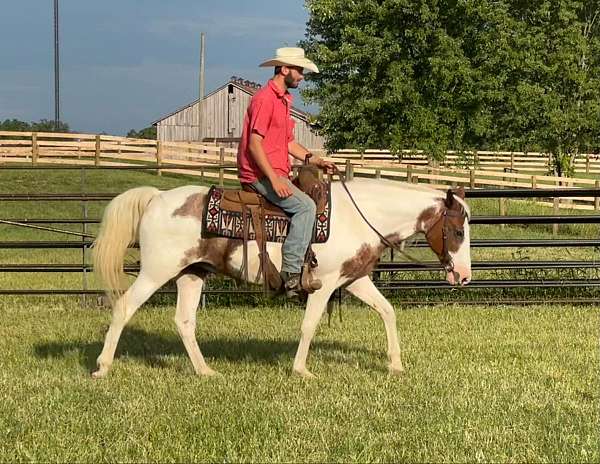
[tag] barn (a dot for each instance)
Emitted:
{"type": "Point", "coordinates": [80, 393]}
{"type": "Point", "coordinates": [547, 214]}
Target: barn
{"type": "Point", "coordinates": [222, 115]}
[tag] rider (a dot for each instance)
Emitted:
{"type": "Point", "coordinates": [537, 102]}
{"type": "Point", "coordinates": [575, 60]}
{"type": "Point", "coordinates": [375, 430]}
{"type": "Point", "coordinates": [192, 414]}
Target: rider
{"type": "Point", "coordinates": [263, 161]}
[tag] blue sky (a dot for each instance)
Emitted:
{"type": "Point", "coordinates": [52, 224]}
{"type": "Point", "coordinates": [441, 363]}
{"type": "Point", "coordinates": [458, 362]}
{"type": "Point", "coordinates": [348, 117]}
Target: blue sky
{"type": "Point", "coordinates": [126, 63]}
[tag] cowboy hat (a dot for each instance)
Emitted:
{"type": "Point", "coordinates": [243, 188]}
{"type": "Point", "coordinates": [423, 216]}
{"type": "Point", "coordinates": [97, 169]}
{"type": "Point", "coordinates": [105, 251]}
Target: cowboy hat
{"type": "Point", "coordinates": [291, 56]}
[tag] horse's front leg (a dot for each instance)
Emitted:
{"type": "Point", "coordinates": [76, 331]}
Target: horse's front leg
{"type": "Point", "coordinates": [365, 290]}
{"type": "Point", "coordinates": [315, 306]}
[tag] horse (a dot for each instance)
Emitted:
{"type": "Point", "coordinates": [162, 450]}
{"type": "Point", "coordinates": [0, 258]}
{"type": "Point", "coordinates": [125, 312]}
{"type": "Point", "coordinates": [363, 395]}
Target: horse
{"type": "Point", "coordinates": [367, 216]}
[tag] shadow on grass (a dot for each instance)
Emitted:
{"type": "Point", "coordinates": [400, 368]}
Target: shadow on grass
{"type": "Point", "coordinates": [152, 348]}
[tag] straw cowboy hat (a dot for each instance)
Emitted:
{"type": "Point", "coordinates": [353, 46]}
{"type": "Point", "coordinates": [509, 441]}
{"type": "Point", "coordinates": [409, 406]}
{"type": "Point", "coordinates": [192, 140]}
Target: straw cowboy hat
{"type": "Point", "coordinates": [291, 56]}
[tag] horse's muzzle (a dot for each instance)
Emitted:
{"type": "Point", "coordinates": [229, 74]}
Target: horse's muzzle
{"type": "Point", "coordinates": [458, 278]}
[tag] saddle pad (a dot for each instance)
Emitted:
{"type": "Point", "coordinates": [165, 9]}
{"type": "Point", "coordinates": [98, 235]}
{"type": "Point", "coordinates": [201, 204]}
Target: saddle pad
{"type": "Point", "coordinates": [223, 223]}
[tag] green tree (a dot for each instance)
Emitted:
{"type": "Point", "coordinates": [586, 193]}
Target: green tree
{"type": "Point", "coordinates": [448, 74]}
{"type": "Point", "coordinates": [43, 125]}
{"type": "Point", "coordinates": [559, 91]}
{"type": "Point", "coordinates": [146, 133]}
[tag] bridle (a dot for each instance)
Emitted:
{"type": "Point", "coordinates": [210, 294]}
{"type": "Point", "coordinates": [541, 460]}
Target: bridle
{"type": "Point", "coordinates": [443, 253]}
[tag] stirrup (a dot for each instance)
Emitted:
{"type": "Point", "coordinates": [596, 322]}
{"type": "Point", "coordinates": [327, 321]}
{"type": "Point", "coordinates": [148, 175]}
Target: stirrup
{"type": "Point", "coordinates": [307, 282]}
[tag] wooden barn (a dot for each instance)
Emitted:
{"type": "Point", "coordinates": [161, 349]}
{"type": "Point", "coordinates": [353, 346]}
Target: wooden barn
{"type": "Point", "coordinates": [222, 117]}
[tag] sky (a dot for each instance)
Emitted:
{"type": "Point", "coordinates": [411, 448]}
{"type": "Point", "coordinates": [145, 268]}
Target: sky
{"type": "Point", "coordinates": [127, 63]}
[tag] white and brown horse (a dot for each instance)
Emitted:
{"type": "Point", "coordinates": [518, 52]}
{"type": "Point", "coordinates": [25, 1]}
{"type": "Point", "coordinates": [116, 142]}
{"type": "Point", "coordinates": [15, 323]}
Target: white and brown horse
{"type": "Point", "coordinates": [168, 228]}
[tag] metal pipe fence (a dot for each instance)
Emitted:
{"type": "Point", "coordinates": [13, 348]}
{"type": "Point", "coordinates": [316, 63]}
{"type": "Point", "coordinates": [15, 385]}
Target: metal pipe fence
{"type": "Point", "coordinates": [384, 267]}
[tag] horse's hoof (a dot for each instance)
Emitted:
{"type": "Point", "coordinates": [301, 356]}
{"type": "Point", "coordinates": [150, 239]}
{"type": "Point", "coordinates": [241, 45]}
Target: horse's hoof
{"type": "Point", "coordinates": [304, 373]}
{"type": "Point", "coordinates": [99, 374]}
{"type": "Point", "coordinates": [396, 371]}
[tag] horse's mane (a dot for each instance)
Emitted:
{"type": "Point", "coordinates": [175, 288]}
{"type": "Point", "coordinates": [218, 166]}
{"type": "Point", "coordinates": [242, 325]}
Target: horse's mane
{"type": "Point", "coordinates": [435, 193]}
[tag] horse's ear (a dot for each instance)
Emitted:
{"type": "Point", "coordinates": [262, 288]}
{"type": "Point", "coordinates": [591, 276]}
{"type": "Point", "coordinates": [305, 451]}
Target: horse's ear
{"type": "Point", "coordinates": [460, 192]}
{"type": "Point", "coordinates": [449, 198]}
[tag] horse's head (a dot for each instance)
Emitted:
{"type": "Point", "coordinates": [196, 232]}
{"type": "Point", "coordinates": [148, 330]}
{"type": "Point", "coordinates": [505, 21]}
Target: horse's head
{"type": "Point", "coordinates": [448, 236]}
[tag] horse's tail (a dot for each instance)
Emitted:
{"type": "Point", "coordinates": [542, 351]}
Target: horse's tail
{"type": "Point", "coordinates": [118, 230]}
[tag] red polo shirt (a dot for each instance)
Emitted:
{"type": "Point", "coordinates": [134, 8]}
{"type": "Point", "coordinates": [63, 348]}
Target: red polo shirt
{"type": "Point", "coordinates": [269, 116]}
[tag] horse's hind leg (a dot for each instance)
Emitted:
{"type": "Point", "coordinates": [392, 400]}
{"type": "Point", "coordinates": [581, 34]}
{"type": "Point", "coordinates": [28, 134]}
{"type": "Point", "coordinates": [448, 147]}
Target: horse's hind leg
{"type": "Point", "coordinates": [124, 308]}
{"type": "Point", "coordinates": [365, 290]}
{"type": "Point", "coordinates": [189, 289]}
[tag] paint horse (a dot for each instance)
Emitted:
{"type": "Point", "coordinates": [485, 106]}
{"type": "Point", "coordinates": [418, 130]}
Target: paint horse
{"type": "Point", "coordinates": [168, 229]}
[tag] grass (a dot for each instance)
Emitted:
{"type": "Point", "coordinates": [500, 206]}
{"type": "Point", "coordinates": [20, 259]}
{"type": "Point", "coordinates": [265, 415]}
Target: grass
{"type": "Point", "coordinates": [481, 385]}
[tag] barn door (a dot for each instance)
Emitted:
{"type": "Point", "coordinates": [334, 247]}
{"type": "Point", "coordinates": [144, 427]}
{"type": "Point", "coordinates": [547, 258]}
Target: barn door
{"type": "Point", "coordinates": [232, 112]}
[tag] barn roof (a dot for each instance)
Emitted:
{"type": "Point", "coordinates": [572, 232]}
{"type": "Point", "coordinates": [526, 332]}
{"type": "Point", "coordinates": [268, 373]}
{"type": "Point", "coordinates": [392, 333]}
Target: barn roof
{"type": "Point", "coordinates": [244, 85]}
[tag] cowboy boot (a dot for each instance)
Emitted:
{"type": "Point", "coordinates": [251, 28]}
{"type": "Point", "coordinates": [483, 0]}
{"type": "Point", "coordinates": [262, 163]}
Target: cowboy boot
{"type": "Point", "coordinates": [291, 283]}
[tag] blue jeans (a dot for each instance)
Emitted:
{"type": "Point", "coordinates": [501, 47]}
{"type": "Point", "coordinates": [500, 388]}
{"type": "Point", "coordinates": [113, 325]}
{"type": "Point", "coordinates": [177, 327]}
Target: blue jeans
{"type": "Point", "coordinates": [302, 211]}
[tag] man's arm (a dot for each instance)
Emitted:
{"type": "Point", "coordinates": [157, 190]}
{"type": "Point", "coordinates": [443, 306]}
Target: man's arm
{"type": "Point", "coordinates": [257, 151]}
{"type": "Point", "coordinates": [299, 152]}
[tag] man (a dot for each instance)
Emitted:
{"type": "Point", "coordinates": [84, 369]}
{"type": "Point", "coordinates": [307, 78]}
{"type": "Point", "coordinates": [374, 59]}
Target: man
{"type": "Point", "coordinates": [263, 161]}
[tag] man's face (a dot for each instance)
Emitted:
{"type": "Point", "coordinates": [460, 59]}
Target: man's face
{"type": "Point", "coordinates": [292, 75]}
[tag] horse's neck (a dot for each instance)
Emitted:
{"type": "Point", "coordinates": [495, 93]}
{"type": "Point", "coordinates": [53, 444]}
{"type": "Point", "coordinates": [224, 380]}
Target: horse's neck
{"type": "Point", "coordinates": [392, 208]}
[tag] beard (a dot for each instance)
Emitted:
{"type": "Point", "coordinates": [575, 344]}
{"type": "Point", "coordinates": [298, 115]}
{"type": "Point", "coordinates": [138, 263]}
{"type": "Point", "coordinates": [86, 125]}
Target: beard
{"type": "Point", "coordinates": [290, 82]}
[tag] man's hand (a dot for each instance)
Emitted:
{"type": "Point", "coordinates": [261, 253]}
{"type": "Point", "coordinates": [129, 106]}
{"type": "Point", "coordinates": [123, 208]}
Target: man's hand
{"type": "Point", "coordinates": [281, 187]}
{"type": "Point", "coordinates": [325, 165]}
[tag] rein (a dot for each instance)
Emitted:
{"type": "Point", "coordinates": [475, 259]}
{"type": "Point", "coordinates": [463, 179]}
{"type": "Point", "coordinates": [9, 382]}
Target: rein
{"type": "Point", "coordinates": [391, 245]}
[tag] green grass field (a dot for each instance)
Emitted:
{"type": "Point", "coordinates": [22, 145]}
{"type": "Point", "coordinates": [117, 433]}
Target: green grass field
{"type": "Point", "coordinates": [481, 385]}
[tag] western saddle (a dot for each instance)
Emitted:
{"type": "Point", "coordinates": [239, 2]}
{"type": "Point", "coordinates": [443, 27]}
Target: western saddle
{"type": "Point", "coordinates": [251, 204]}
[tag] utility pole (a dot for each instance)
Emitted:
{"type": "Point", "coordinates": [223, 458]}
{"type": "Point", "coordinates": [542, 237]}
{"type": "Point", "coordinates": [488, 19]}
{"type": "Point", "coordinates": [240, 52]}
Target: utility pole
{"type": "Point", "coordinates": [201, 85]}
{"type": "Point", "coordinates": [56, 70]}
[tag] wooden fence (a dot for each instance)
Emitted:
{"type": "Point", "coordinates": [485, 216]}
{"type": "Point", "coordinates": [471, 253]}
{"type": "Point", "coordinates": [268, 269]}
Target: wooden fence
{"type": "Point", "coordinates": [179, 157]}
{"type": "Point", "coordinates": [482, 160]}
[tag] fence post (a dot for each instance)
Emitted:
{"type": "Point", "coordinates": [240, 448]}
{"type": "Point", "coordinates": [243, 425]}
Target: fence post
{"type": "Point", "coordinates": [84, 205]}
{"type": "Point", "coordinates": [409, 174]}
{"type": "Point", "coordinates": [534, 186]}
{"type": "Point", "coordinates": [587, 164]}
{"type": "Point", "coordinates": [159, 150]}
{"type": "Point", "coordinates": [503, 206]}
{"type": "Point", "coordinates": [34, 148]}
{"type": "Point", "coordinates": [597, 199]}
{"type": "Point", "coordinates": [349, 174]}
{"type": "Point", "coordinates": [377, 173]}
{"type": "Point", "coordinates": [556, 210]}
{"type": "Point", "coordinates": [221, 169]}
{"type": "Point", "coordinates": [512, 161]}
{"type": "Point", "coordinates": [472, 178]}
{"type": "Point", "coordinates": [97, 154]}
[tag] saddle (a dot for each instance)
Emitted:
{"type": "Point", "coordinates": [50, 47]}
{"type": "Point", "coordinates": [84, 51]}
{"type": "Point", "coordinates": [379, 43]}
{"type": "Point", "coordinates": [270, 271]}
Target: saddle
{"type": "Point", "coordinates": [248, 215]}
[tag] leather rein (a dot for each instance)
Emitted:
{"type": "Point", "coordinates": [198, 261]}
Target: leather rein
{"type": "Point", "coordinates": [444, 256]}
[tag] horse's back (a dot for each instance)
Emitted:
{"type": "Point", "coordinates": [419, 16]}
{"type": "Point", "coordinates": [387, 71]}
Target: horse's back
{"type": "Point", "coordinates": [183, 192]}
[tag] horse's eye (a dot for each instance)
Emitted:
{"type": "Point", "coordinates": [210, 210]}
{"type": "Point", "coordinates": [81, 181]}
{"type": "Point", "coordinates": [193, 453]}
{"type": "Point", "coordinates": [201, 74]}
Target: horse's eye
{"type": "Point", "coordinates": [459, 233]}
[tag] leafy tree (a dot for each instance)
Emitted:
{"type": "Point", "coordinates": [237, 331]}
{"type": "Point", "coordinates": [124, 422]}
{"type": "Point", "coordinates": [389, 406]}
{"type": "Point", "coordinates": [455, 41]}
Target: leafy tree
{"type": "Point", "coordinates": [14, 125]}
{"type": "Point", "coordinates": [467, 74]}
{"type": "Point", "coordinates": [43, 125]}
{"type": "Point", "coordinates": [146, 133]}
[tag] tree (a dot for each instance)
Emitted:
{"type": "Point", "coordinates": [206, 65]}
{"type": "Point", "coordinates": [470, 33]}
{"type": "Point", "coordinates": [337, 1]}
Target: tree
{"type": "Point", "coordinates": [559, 90]}
{"type": "Point", "coordinates": [441, 74]}
{"type": "Point", "coordinates": [146, 133]}
{"type": "Point", "coordinates": [43, 125]}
